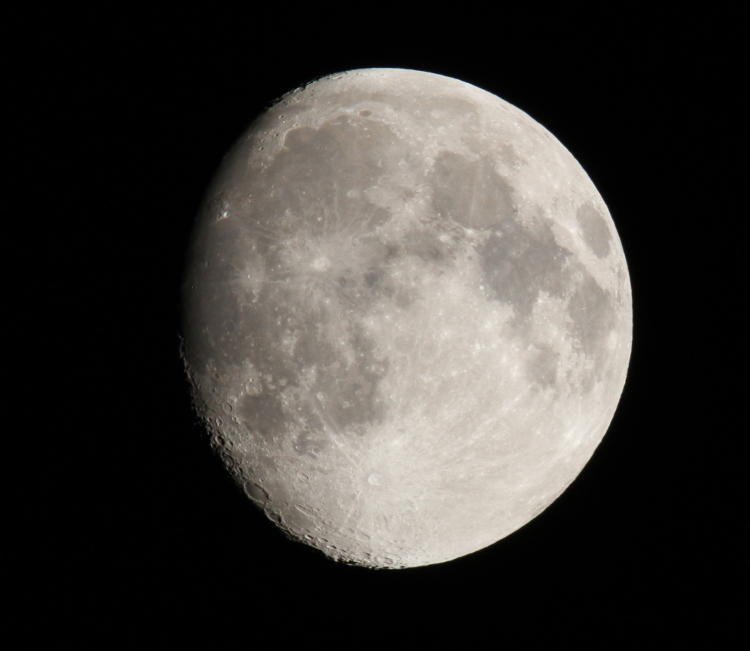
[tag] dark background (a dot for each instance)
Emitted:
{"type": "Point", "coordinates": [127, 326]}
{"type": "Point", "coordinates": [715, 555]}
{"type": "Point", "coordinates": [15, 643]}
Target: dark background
{"type": "Point", "coordinates": [133, 535]}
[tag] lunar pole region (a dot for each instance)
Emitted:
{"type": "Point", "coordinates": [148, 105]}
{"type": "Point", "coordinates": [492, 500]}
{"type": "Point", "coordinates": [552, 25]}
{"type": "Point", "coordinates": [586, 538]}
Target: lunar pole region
{"type": "Point", "coordinates": [407, 316]}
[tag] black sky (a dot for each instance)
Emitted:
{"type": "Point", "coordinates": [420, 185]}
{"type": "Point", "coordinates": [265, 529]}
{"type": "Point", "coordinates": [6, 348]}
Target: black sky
{"type": "Point", "coordinates": [134, 536]}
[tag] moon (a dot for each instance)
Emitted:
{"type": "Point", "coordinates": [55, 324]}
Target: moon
{"type": "Point", "coordinates": [407, 316]}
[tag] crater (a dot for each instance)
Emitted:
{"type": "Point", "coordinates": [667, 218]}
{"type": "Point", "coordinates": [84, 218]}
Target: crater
{"type": "Point", "coordinates": [256, 492]}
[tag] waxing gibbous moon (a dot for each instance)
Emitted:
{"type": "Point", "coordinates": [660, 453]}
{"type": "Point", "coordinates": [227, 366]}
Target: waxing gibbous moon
{"type": "Point", "coordinates": [407, 316]}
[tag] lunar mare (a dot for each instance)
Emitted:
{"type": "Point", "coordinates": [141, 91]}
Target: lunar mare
{"type": "Point", "coordinates": [407, 316]}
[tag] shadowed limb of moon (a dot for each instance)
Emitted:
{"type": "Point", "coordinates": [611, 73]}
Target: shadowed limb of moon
{"type": "Point", "coordinates": [407, 316]}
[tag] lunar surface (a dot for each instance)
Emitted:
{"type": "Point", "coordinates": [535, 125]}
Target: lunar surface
{"type": "Point", "coordinates": [407, 316]}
